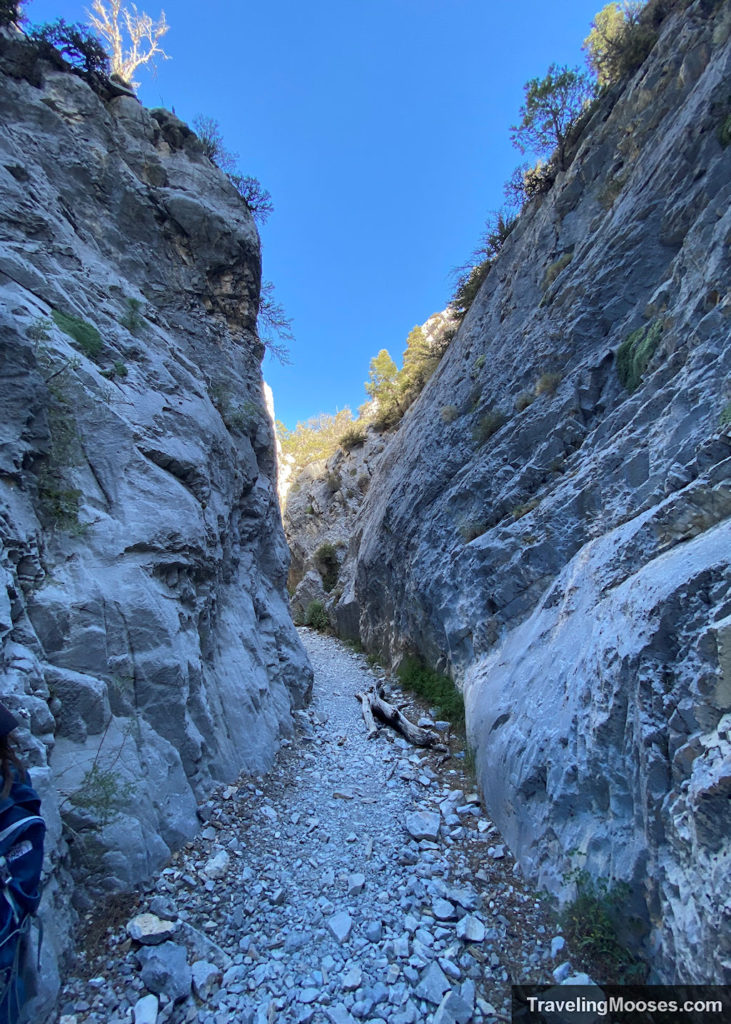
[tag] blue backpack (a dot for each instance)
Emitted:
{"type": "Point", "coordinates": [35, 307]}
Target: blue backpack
{"type": "Point", "coordinates": [22, 831]}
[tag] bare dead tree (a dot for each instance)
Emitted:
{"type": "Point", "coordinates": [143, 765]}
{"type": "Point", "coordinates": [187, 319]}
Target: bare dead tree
{"type": "Point", "coordinates": [132, 36]}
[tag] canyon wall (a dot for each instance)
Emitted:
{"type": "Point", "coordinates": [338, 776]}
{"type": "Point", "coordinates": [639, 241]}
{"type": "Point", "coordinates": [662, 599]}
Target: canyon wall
{"type": "Point", "coordinates": [147, 647]}
{"type": "Point", "coordinates": [551, 522]}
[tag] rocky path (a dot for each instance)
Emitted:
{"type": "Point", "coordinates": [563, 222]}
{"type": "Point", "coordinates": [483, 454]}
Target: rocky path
{"type": "Point", "coordinates": [357, 881]}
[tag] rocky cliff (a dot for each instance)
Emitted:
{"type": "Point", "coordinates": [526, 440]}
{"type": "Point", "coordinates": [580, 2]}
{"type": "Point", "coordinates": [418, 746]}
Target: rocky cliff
{"type": "Point", "coordinates": [551, 522]}
{"type": "Point", "coordinates": [146, 640]}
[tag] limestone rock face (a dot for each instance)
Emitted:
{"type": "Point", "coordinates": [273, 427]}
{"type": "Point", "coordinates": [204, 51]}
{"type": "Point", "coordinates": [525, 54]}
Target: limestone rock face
{"type": "Point", "coordinates": [147, 645]}
{"type": "Point", "coordinates": [321, 508]}
{"type": "Point", "coordinates": [550, 524]}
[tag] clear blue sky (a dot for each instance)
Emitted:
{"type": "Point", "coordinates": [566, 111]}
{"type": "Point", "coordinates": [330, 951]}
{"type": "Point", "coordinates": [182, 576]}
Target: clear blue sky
{"type": "Point", "coordinates": [381, 129]}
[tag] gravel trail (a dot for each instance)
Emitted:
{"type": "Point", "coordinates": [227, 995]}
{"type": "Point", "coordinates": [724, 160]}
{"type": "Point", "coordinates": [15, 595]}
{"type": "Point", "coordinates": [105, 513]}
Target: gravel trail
{"type": "Point", "coordinates": [305, 898]}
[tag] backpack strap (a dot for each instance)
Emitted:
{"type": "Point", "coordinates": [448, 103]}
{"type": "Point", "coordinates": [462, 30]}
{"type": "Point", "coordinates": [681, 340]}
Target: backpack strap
{"type": "Point", "coordinates": [31, 819]}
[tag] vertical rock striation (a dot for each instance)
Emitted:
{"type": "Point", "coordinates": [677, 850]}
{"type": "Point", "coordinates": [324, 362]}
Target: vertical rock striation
{"type": "Point", "coordinates": [146, 639]}
{"type": "Point", "coordinates": [551, 522]}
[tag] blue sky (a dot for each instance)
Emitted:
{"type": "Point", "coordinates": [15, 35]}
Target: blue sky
{"type": "Point", "coordinates": [381, 129]}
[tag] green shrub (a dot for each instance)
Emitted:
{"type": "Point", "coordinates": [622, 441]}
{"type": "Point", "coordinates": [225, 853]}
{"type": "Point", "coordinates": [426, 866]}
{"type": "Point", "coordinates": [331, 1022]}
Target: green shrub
{"type": "Point", "coordinates": [487, 425]}
{"type": "Point", "coordinates": [522, 510]}
{"type": "Point", "coordinates": [364, 482]}
{"type": "Point", "coordinates": [75, 43]}
{"type": "Point", "coordinates": [448, 413]}
{"type": "Point", "coordinates": [555, 268]}
{"type": "Point", "coordinates": [592, 923]}
{"type": "Point", "coordinates": [353, 437]}
{"type": "Point", "coordinates": [101, 793]}
{"type": "Point", "coordinates": [623, 36]}
{"type": "Point", "coordinates": [334, 481]}
{"type": "Point", "coordinates": [472, 529]}
{"type": "Point", "coordinates": [725, 418]}
{"type": "Point", "coordinates": [86, 336]}
{"type": "Point", "coordinates": [524, 399]}
{"type": "Point", "coordinates": [613, 189]}
{"type": "Point", "coordinates": [328, 566]}
{"type": "Point", "coordinates": [547, 383]}
{"type": "Point", "coordinates": [40, 329]}
{"type": "Point", "coordinates": [118, 370]}
{"type": "Point", "coordinates": [133, 319]}
{"type": "Point", "coordinates": [477, 365]}
{"type": "Point", "coordinates": [724, 131]}
{"type": "Point", "coordinates": [434, 687]}
{"type": "Point", "coordinates": [58, 503]}
{"type": "Point", "coordinates": [635, 353]}
{"type": "Point", "coordinates": [316, 616]}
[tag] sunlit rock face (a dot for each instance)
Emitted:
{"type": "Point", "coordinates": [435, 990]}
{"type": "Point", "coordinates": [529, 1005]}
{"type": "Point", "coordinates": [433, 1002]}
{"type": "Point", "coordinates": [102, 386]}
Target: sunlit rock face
{"type": "Point", "coordinates": [147, 645]}
{"type": "Point", "coordinates": [550, 524]}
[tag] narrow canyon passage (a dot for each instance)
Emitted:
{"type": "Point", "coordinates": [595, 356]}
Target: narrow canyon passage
{"type": "Point", "coordinates": [305, 899]}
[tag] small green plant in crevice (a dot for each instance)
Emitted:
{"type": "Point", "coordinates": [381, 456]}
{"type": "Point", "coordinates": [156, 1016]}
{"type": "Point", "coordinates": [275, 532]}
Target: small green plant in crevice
{"type": "Point", "coordinates": [244, 417]}
{"type": "Point", "coordinates": [448, 413]}
{"type": "Point", "coordinates": [86, 336]}
{"type": "Point", "coordinates": [471, 529]}
{"type": "Point", "coordinates": [524, 399]}
{"type": "Point", "coordinates": [477, 366]}
{"type": "Point", "coordinates": [436, 688]}
{"type": "Point", "coordinates": [487, 425]}
{"type": "Point", "coordinates": [334, 481]}
{"type": "Point", "coordinates": [327, 564]}
{"type": "Point", "coordinates": [547, 384]}
{"type": "Point", "coordinates": [40, 329]}
{"type": "Point", "coordinates": [522, 510]}
{"type": "Point", "coordinates": [635, 353]}
{"type": "Point", "coordinates": [613, 189]}
{"type": "Point", "coordinates": [133, 319]}
{"type": "Point", "coordinates": [118, 370]}
{"type": "Point", "coordinates": [101, 792]}
{"type": "Point", "coordinates": [723, 131]}
{"type": "Point", "coordinates": [725, 418]}
{"type": "Point", "coordinates": [470, 761]}
{"type": "Point", "coordinates": [555, 268]}
{"type": "Point", "coordinates": [316, 617]}
{"type": "Point", "coordinates": [58, 503]}
{"type": "Point", "coordinates": [593, 922]}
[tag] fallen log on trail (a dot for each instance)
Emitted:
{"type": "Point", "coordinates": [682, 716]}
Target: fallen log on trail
{"type": "Point", "coordinates": [373, 704]}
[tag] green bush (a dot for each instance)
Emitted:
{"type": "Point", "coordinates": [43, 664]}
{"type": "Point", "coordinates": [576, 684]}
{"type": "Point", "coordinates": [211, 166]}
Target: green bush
{"type": "Point", "coordinates": [555, 269]}
{"type": "Point", "coordinates": [551, 108]}
{"type": "Point", "coordinates": [522, 510]}
{"type": "Point", "coordinates": [635, 353]}
{"type": "Point", "coordinates": [623, 36]}
{"type": "Point", "coordinates": [353, 437]}
{"type": "Point", "coordinates": [724, 131]}
{"type": "Point", "coordinates": [328, 566]}
{"type": "Point", "coordinates": [133, 319]}
{"type": "Point", "coordinates": [448, 413]}
{"type": "Point", "coordinates": [725, 418]}
{"type": "Point", "coordinates": [487, 425]}
{"type": "Point", "coordinates": [472, 529]}
{"type": "Point", "coordinates": [58, 503]}
{"type": "Point", "coordinates": [592, 923]}
{"type": "Point", "coordinates": [75, 43]}
{"type": "Point", "coordinates": [316, 616]}
{"type": "Point", "coordinates": [118, 370]}
{"type": "Point", "coordinates": [434, 687]}
{"type": "Point", "coordinates": [524, 399]}
{"type": "Point", "coordinates": [86, 336]}
{"type": "Point", "coordinates": [547, 383]}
